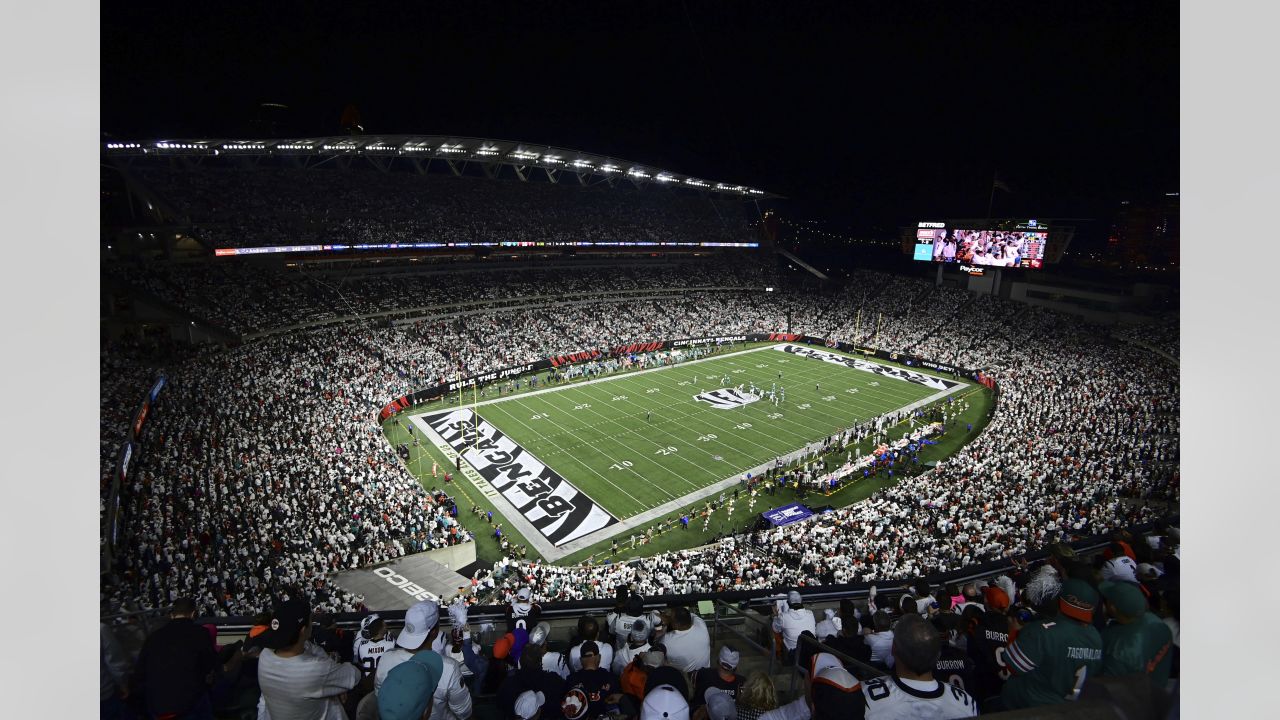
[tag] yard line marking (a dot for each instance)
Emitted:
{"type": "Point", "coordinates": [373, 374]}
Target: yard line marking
{"type": "Point", "coordinates": [602, 477]}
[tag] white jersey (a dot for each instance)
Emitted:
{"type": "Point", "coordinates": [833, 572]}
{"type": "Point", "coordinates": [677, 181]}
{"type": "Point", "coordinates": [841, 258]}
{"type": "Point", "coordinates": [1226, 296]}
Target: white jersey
{"type": "Point", "coordinates": [620, 625]}
{"type": "Point", "coordinates": [792, 622]}
{"type": "Point", "coordinates": [891, 698]}
{"type": "Point", "coordinates": [606, 655]}
{"type": "Point", "coordinates": [367, 653]}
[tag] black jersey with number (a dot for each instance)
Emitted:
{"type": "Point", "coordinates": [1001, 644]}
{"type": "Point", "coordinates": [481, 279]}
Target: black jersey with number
{"type": "Point", "coordinates": [987, 646]}
{"type": "Point", "coordinates": [955, 667]}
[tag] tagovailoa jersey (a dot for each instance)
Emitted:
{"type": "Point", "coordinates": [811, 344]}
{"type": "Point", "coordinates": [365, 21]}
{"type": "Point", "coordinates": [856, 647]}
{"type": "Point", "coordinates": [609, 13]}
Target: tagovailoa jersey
{"type": "Point", "coordinates": [889, 698]}
{"type": "Point", "coordinates": [1051, 662]}
{"type": "Point", "coordinates": [367, 653]}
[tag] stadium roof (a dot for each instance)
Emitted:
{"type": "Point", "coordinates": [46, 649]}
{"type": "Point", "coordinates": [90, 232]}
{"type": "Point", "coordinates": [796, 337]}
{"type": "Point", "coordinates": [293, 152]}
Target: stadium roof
{"type": "Point", "coordinates": [456, 152]}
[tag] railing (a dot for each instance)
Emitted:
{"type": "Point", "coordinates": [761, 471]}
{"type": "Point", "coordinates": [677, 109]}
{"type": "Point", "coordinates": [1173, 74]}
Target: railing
{"type": "Point", "coordinates": [759, 598]}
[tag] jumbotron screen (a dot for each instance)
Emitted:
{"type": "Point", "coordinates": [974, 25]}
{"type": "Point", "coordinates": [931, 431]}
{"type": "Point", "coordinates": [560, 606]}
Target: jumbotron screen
{"type": "Point", "coordinates": [1022, 247]}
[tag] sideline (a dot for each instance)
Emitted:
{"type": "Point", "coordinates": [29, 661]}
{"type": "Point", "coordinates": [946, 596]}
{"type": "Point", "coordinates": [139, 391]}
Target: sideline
{"type": "Point", "coordinates": [539, 542]}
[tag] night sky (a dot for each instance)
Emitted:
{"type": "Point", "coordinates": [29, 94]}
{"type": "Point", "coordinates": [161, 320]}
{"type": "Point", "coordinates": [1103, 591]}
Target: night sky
{"type": "Point", "coordinates": [866, 118]}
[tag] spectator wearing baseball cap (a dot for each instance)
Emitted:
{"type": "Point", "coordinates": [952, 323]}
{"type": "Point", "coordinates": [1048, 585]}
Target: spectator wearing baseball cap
{"type": "Point", "coordinates": [664, 702]}
{"type": "Point", "coordinates": [720, 706]}
{"type": "Point", "coordinates": [1120, 568]}
{"type": "Point", "coordinates": [421, 628]}
{"type": "Point", "coordinates": [1050, 659]}
{"type": "Point", "coordinates": [297, 677]}
{"type": "Point", "coordinates": [723, 678]}
{"type": "Point", "coordinates": [637, 641]}
{"type": "Point", "coordinates": [529, 676]}
{"type": "Point", "coordinates": [792, 621]}
{"type": "Point", "coordinates": [635, 676]}
{"type": "Point", "coordinates": [408, 691]}
{"type": "Point", "coordinates": [553, 661]}
{"type": "Point", "coordinates": [176, 665]}
{"type": "Point", "coordinates": [1135, 641]}
{"type": "Point", "coordinates": [529, 705]}
{"type": "Point", "coordinates": [523, 611]}
{"type": "Point", "coordinates": [590, 690]}
{"type": "Point", "coordinates": [589, 631]}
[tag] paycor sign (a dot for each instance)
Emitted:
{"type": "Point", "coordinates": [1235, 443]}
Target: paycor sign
{"type": "Point", "coordinates": [405, 584]}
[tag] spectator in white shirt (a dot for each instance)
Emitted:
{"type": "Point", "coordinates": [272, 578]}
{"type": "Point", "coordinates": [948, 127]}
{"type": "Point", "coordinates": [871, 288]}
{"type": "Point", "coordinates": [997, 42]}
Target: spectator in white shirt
{"type": "Point", "coordinates": [299, 680]}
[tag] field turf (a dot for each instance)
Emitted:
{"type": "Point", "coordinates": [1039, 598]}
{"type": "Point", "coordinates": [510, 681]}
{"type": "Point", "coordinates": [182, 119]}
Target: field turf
{"type": "Point", "coordinates": [639, 439]}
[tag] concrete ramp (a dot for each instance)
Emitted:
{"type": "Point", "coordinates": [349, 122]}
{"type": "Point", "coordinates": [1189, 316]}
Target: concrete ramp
{"type": "Point", "coordinates": [400, 583]}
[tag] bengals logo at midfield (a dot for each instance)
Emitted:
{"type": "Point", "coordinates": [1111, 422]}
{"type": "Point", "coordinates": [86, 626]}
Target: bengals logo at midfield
{"type": "Point", "coordinates": [726, 398]}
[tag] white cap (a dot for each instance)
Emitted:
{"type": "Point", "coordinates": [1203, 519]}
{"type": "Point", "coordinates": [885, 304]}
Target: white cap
{"type": "Point", "coordinates": [524, 594]}
{"type": "Point", "coordinates": [1120, 568]}
{"type": "Point", "coordinates": [664, 703]}
{"type": "Point", "coordinates": [529, 703]}
{"type": "Point", "coordinates": [794, 599]}
{"type": "Point", "coordinates": [729, 657]}
{"type": "Point", "coordinates": [720, 705]}
{"type": "Point", "coordinates": [639, 630]}
{"type": "Point", "coordinates": [1147, 569]}
{"type": "Point", "coordinates": [419, 621]}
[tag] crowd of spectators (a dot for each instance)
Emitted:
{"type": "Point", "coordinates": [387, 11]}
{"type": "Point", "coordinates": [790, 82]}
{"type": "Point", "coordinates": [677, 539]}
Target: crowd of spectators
{"type": "Point", "coordinates": [263, 469]}
{"type": "Point", "coordinates": [260, 206]}
{"type": "Point", "coordinates": [1069, 627]}
{"type": "Point", "coordinates": [127, 368]}
{"type": "Point", "coordinates": [1160, 334]}
{"type": "Point", "coordinates": [245, 298]}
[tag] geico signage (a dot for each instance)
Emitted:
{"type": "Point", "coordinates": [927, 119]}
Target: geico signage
{"type": "Point", "coordinates": [405, 584]}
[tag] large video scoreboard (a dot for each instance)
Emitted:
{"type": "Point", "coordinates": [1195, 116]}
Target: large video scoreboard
{"type": "Point", "coordinates": [1012, 244]}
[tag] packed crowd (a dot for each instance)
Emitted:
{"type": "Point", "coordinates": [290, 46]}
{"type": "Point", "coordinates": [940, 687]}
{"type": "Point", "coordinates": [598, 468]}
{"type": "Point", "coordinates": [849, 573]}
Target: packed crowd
{"type": "Point", "coordinates": [260, 206]}
{"type": "Point", "coordinates": [127, 368]}
{"type": "Point", "coordinates": [1161, 334]}
{"type": "Point", "coordinates": [1084, 439]}
{"type": "Point", "coordinates": [1060, 630]}
{"type": "Point", "coordinates": [246, 298]}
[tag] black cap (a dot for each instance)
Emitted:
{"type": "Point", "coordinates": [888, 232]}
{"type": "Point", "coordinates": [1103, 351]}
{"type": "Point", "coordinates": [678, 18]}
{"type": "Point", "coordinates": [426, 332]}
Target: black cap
{"type": "Point", "coordinates": [287, 621]}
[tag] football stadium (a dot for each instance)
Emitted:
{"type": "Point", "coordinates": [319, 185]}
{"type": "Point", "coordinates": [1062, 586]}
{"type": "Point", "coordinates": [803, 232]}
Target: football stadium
{"type": "Point", "coordinates": [440, 426]}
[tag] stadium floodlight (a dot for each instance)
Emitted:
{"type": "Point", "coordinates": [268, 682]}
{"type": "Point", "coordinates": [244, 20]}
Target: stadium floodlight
{"type": "Point", "coordinates": [524, 155]}
{"type": "Point", "coordinates": [634, 172]}
{"type": "Point", "coordinates": [583, 164]}
{"type": "Point", "coordinates": [610, 168]}
{"type": "Point", "coordinates": [665, 178]}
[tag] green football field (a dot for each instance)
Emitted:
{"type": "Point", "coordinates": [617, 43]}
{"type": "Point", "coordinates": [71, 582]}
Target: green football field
{"type": "Point", "coordinates": [637, 441]}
